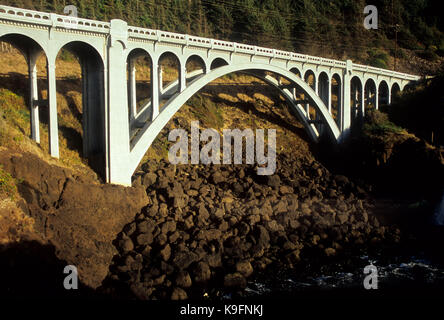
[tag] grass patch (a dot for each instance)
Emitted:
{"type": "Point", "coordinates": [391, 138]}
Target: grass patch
{"type": "Point", "coordinates": [377, 123]}
{"type": "Point", "coordinates": [7, 185]}
{"type": "Point", "coordinates": [206, 111]}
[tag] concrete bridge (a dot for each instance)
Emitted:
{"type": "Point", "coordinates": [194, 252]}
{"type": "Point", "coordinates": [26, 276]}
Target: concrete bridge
{"type": "Point", "coordinates": [117, 134]}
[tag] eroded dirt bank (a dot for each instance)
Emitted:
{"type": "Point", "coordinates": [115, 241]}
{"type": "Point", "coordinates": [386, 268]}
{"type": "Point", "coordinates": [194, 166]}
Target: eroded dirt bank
{"type": "Point", "coordinates": [74, 214]}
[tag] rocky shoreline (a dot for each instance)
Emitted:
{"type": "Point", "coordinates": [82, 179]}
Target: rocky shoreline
{"type": "Point", "coordinates": [213, 228]}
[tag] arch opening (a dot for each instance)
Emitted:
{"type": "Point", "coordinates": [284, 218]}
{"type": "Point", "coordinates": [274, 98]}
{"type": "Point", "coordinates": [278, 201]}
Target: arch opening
{"type": "Point", "coordinates": [356, 103]}
{"type": "Point", "coordinates": [217, 63]}
{"type": "Point", "coordinates": [169, 77]}
{"type": "Point", "coordinates": [83, 87]}
{"type": "Point", "coordinates": [395, 92]}
{"type": "Point", "coordinates": [140, 85]}
{"type": "Point", "coordinates": [370, 95]}
{"type": "Point", "coordinates": [151, 130]}
{"type": "Point", "coordinates": [25, 74]}
{"type": "Point", "coordinates": [336, 98]}
{"type": "Point", "coordinates": [195, 66]}
{"type": "Point", "coordinates": [310, 79]}
{"type": "Point", "coordinates": [383, 94]}
{"type": "Point", "coordinates": [323, 91]}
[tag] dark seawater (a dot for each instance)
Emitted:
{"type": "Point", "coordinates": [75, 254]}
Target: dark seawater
{"type": "Point", "coordinates": [412, 272]}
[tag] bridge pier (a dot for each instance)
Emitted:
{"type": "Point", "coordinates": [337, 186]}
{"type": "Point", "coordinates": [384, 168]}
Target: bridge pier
{"type": "Point", "coordinates": [118, 127]}
{"type": "Point", "coordinates": [156, 79]}
{"type": "Point", "coordinates": [182, 76]}
{"type": "Point", "coordinates": [376, 97]}
{"type": "Point", "coordinates": [132, 88]}
{"type": "Point", "coordinates": [34, 95]}
{"type": "Point", "coordinates": [52, 103]}
{"type": "Point", "coordinates": [329, 96]}
{"type": "Point", "coordinates": [346, 112]}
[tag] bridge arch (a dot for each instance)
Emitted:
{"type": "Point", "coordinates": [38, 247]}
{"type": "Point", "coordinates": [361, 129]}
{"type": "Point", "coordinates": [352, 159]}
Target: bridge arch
{"type": "Point", "coordinates": [93, 113]}
{"type": "Point", "coordinates": [96, 46]}
{"type": "Point", "coordinates": [383, 93]}
{"type": "Point", "coordinates": [217, 63]}
{"type": "Point", "coordinates": [310, 78]}
{"type": "Point", "coordinates": [323, 88]}
{"type": "Point", "coordinates": [31, 51]}
{"type": "Point", "coordinates": [139, 94]}
{"type": "Point", "coordinates": [145, 138]}
{"type": "Point", "coordinates": [395, 90]}
{"type": "Point", "coordinates": [357, 99]}
{"type": "Point", "coordinates": [336, 98]}
{"type": "Point", "coordinates": [296, 71]}
{"type": "Point", "coordinates": [167, 88]}
{"type": "Point", "coordinates": [195, 64]}
{"type": "Point", "coordinates": [24, 42]}
{"type": "Point", "coordinates": [370, 94]}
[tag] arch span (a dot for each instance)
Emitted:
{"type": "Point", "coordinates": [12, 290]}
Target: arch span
{"type": "Point", "coordinates": [147, 135]}
{"type": "Point", "coordinates": [23, 43]}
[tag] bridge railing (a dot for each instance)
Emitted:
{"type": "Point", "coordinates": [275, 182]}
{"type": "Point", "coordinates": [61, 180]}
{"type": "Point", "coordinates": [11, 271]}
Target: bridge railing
{"type": "Point", "coordinates": [79, 23]}
{"type": "Point", "coordinates": [24, 14]}
{"type": "Point", "coordinates": [390, 73]}
{"type": "Point", "coordinates": [68, 22]}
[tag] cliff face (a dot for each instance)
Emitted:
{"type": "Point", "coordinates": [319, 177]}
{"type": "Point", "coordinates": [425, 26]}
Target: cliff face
{"type": "Point", "coordinates": [74, 213]}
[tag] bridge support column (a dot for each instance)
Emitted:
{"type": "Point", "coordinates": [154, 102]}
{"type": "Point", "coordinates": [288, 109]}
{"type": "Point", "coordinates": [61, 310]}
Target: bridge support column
{"type": "Point", "coordinates": [376, 98]}
{"type": "Point", "coordinates": [118, 129]}
{"type": "Point", "coordinates": [389, 97]}
{"type": "Point", "coordinates": [362, 104]}
{"type": "Point", "coordinates": [329, 96]}
{"type": "Point", "coordinates": [132, 88]}
{"type": "Point", "coordinates": [182, 77]}
{"type": "Point", "coordinates": [34, 96]}
{"type": "Point", "coordinates": [160, 80]}
{"type": "Point", "coordinates": [346, 112]}
{"type": "Point", "coordinates": [52, 103]}
{"type": "Point", "coordinates": [156, 78]}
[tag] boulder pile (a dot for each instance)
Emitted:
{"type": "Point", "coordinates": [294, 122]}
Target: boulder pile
{"type": "Point", "coordinates": [217, 226]}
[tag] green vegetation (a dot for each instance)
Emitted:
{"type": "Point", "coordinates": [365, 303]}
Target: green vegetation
{"type": "Point", "coordinates": [206, 111]}
{"type": "Point", "coordinates": [7, 185]}
{"type": "Point", "coordinates": [12, 112]}
{"type": "Point", "coordinates": [377, 123]}
{"type": "Point", "coordinates": [333, 27]}
{"type": "Point", "coordinates": [377, 58]}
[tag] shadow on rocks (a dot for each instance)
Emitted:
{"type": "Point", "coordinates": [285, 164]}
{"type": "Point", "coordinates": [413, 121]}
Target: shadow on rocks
{"type": "Point", "coordinates": [31, 270]}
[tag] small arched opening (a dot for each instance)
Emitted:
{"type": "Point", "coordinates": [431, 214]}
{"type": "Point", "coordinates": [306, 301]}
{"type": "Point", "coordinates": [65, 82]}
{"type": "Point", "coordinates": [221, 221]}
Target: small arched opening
{"type": "Point", "coordinates": [169, 77]}
{"type": "Point", "coordinates": [217, 63]}
{"type": "Point", "coordinates": [383, 94]}
{"type": "Point", "coordinates": [195, 67]}
{"type": "Point", "coordinates": [356, 100]}
{"type": "Point", "coordinates": [336, 98]}
{"type": "Point", "coordinates": [370, 95]}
